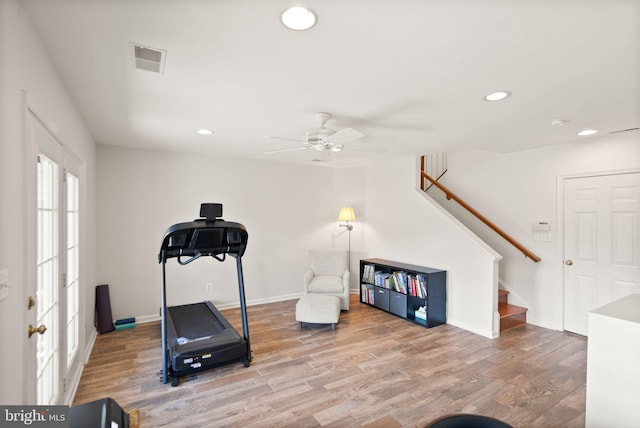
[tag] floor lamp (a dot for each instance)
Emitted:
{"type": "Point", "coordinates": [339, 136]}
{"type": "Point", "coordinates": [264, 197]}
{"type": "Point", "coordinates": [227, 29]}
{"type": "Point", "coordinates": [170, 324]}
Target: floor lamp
{"type": "Point", "coordinates": [347, 215]}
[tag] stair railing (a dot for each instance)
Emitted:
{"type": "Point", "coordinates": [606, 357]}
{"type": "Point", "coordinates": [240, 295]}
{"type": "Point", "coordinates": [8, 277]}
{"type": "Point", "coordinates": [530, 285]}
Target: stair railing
{"type": "Point", "coordinates": [450, 195]}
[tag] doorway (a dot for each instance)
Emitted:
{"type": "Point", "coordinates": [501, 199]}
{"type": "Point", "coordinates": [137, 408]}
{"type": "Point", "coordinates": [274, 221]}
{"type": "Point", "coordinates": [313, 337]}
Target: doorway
{"type": "Point", "coordinates": [54, 280]}
{"type": "Point", "coordinates": [601, 243]}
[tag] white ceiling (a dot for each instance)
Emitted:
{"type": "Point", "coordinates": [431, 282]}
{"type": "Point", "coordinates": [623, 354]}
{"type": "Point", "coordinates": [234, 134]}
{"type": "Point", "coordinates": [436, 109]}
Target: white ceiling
{"type": "Point", "coordinates": [410, 74]}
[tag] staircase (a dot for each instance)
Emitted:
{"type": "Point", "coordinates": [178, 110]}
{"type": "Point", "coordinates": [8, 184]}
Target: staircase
{"type": "Point", "coordinates": [510, 315]}
{"type": "Point", "coordinates": [432, 167]}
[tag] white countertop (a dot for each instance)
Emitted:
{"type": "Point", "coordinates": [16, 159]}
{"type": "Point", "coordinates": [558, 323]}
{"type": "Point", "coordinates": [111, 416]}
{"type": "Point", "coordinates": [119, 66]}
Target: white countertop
{"type": "Point", "coordinates": [627, 309]}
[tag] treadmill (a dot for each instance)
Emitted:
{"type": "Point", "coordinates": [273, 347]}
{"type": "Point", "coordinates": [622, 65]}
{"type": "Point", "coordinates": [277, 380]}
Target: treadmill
{"type": "Point", "coordinates": [196, 336]}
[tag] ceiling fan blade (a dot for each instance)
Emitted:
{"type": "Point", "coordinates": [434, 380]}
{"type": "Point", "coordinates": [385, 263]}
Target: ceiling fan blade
{"type": "Point", "coordinates": [284, 138]}
{"type": "Point", "coordinates": [345, 135]}
{"type": "Point", "coordinates": [287, 150]}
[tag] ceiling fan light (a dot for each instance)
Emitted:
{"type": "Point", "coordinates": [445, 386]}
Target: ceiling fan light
{"type": "Point", "coordinates": [337, 147]}
{"type": "Point", "coordinates": [298, 18]}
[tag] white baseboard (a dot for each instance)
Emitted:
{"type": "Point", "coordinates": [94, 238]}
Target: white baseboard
{"type": "Point", "coordinates": [74, 382]}
{"type": "Point", "coordinates": [92, 341]}
{"type": "Point", "coordinates": [147, 318]}
{"type": "Point", "coordinates": [140, 319]}
{"type": "Point", "coordinates": [261, 301]}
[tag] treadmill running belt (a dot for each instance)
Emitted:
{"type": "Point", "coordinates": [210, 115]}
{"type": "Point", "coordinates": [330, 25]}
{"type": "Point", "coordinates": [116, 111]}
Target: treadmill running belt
{"type": "Point", "coordinates": [195, 322]}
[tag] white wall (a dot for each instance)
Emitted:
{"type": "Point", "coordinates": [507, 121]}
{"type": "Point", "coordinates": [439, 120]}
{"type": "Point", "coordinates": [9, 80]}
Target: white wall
{"type": "Point", "coordinates": [350, 190]}
{"type": "Point", "coordinates": [514, 190]}
{"type": "Point", "coordinates": [286, 209]}
{"type": "Point", "coordinates": [25, 65]}
{"type": "Point", "coordinates": [406, 226]}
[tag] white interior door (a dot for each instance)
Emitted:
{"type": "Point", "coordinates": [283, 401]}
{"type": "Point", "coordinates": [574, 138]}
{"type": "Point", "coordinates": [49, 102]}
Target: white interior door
{"type": "Point", "coordinates": [54, 282]}
{"type": "Point", "coordinates": [601, 244]}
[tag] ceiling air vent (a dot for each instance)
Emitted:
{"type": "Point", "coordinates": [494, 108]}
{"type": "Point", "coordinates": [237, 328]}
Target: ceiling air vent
{"type": "Point", "coordinates": [149, 59]}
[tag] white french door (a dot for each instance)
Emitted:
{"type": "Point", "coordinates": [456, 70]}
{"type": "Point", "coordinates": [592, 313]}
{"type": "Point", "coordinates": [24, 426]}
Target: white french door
{"type": "Point", "coordinates": [601, 244]}
{"type": "Point", "coordinates": [47, 285]}
{"type": "Point", "coordinates": [72, 278]}
{"type": "Point", "coordinates": [54, 287]}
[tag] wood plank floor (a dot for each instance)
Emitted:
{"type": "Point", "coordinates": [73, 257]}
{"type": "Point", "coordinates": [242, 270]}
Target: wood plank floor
{"type": "Point", "coordinates": [374, 370]}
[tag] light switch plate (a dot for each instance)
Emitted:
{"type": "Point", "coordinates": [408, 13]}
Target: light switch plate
{"type": "Point", "coordinates": [4, 284]}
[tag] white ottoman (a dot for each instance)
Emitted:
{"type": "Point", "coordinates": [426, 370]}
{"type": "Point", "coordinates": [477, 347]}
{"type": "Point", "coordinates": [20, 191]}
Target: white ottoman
{"type": "Point", "coordinates": [318, 309]}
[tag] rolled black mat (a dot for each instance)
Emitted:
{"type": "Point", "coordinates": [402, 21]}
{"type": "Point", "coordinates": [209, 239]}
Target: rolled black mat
{"type": "Point", "coordinates": [104, 319]}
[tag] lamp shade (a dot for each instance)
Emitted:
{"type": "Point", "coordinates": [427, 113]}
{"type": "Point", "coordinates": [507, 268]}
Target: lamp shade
{"type": "Point", "coordinates": [346, 214]}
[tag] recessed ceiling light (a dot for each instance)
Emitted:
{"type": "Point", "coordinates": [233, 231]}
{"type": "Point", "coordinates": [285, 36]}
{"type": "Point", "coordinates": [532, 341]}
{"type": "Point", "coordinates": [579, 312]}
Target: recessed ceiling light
{"type": "Point", "coordinates": [298, 18]}
{"type": "Point", "coordinates": [205, 131]}
{"type": "Point", "coordinates": [558, 122]}
{"type": "Point", "coordinates": [587, 132]}
{"type": "Point", "coordinates": [497, 96]}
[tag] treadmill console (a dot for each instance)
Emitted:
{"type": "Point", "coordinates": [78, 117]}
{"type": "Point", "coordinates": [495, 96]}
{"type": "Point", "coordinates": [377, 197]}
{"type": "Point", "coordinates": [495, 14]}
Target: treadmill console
{"type": "Point", "coordinates": [208, 236]}
{"type": "Point", "coordinates": [211, 211]}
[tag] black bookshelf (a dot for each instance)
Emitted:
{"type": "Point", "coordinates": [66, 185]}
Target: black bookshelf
{"type": "Point", "coordinates": [415, 293]}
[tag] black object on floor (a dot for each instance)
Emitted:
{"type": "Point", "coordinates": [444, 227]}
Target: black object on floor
{"type": "Point", "coordinates": [104, 319]}
{"type": "Point", "coordinates": [466, 420]}
{"type": "Point", "coordinates": [197, 336]}
{"type": "Point", "coordinates": [104, 413]}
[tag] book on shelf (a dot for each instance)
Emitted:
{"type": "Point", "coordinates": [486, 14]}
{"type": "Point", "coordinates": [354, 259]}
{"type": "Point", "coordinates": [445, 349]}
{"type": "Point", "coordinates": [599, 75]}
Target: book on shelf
{"type": "Point", "coordinates": [412, 285]}
{"type": "Point", "coordinates": [392, 281]}
{"type": "Point", "coordinates": [416, 286]}
{"type": "Point", "coordinates": [368, 274]}
{"type": "Point", "coordinates": [382, 279]}
{"type": "Point", "coordinates": [400, 281]}
{"type": "Point", "coordinates": [421, 286]}
{"type": "Point", "coordinates": [368, 294]}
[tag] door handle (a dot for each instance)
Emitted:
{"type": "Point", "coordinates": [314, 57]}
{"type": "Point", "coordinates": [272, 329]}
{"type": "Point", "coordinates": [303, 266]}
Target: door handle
{"type": "Point", "coordinates": [568, 262]}
{"type": "Point", "coordinates": [32, 330]}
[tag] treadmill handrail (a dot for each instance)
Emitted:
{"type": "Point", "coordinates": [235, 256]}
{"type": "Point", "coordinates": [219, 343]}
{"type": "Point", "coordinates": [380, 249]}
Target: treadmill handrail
{"type": "Point", "coordinates": [203, 238]}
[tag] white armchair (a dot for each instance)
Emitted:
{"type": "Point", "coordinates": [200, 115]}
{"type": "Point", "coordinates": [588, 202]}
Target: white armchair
{"type": "Point", "coordinates": [328, 274]}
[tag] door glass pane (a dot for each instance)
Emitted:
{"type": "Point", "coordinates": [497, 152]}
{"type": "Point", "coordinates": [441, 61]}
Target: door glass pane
{"type": "Point", "coordinates": [47, 282]}
{"type": "Point", "coordinates": [73, 256]}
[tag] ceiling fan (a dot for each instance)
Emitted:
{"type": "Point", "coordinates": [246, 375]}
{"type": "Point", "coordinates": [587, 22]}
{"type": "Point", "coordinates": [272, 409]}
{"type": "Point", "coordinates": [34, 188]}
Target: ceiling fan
{"type": "Point", "coordinates": [322, 139]}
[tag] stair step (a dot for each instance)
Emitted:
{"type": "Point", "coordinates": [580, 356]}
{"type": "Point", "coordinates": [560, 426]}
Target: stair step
{"type": "Point", "coordinates": [503, 296]}
{"type": "Point", "coordinates": [511, 315]}
{"type": "Point", "coordinates": [507, 310]}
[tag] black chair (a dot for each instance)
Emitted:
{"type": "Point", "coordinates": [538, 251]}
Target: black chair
{"type": "Point", "coordinates": [464, 420]}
